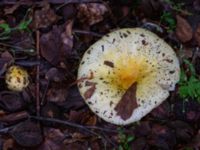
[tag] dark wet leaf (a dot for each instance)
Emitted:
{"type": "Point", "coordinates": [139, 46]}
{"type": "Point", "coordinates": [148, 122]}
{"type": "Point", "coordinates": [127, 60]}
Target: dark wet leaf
{"type": "Point", "coordinates": [128, 103]}
{"type": "Point", "coordinates": [91, 13]}
{"type": "Point", "coordinates": [183, 131]}
{"type": "Point", "coordinates": [27, 134]}
{"type": "Point", "coordinates": [162, 111]}
{"type": "Point", "coordinates": [183, 29]}
{"type": "Point", "coordinates": [139, 144]}
{"type": "Point", "coordinates": [143, 129]}
{"type": "Point", "coordinates": [11, 102]}
{"type": "Point", "coordinates": [151, 8]}
{"type": "Point", "coordinates": [162, 137]}
{"type": "Point", "coordinates": [187, 110]}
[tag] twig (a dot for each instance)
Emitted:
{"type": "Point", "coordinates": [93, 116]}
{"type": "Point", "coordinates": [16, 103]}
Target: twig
{"type": "Point", "coordinates": [87, 32]}
{"type": "Point", "coordinates": [38, 74]}
{"type": "Point", "coordinates": [71, 124]}
{"type": "Point", "coordinates": [6, 130]}
{"type": "Point", "coordinates": [64, 123]}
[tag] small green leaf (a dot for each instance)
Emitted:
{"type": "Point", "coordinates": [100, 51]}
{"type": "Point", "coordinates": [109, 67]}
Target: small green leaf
{"type": "Point", "coordinates": [6, 28]}
{"type": "Point", "coordinates": [24, 25]}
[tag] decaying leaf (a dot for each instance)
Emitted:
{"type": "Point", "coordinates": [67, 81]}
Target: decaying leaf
{"type": "Point", "coordinates": [183, 29]}
{"type": "Point", "coordinates": [91, 13]}
{"type": "Point", "coordinates": [128, 103]}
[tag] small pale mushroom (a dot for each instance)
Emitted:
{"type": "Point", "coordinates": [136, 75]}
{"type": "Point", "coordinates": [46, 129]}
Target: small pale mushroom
{"type": "Point", "coordinates": [126, 74]}
{"type": "Point", "coordinates": [17, 78]}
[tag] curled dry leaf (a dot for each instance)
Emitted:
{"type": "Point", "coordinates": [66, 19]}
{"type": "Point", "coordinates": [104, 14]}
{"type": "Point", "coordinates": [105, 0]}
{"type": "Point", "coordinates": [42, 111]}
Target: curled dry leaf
{"type": "Point", "coordinates": [197, 35]}
{"type": "Point", "coordinates": [91, 13]}
{"type": "Point", "coordinates": [44, 17]}
{"type": "Point", "coordinates": [27, 134]}
{"type": "Point", "coordinates": [183, 29]}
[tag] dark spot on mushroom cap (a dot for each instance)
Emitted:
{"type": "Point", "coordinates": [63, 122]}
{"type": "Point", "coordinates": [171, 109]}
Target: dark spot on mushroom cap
{"type": "Point", "coordinates": [113, 41]}
{"type": "Point", "coordinates": [144, 42]}
{"type": "Point", "coordinates": [88, 51]}
{"type": "Point", "coordinates": [102, 47]}
{"type": "Point", "coordinates": [125, 35]}
{"type": "Point", "coordinates": [128, 32]}
{"type": "Point", "coordinates": [142, 35]}
{"type": "Point", "coordinates": [172, 71]}
{"type": "Point", "coordinates": [109, 63]}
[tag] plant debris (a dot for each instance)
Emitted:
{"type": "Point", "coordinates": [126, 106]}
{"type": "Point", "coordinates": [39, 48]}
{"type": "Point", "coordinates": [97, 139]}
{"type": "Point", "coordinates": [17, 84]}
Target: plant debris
{"type": "Point", "coordinates": [49, 38]}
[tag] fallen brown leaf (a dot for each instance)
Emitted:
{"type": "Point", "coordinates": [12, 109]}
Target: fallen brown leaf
{"type": "Point", "coordinates": [183, 29]}
{"type": "Point", "coordinates": [128, 103]}
{"type": "Point", "coordinates": [56, 46]}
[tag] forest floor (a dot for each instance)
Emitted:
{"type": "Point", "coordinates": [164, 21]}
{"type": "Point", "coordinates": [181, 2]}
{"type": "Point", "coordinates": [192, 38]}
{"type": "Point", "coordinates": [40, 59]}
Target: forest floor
{"type": "Point", "coordinates": [49, 38]}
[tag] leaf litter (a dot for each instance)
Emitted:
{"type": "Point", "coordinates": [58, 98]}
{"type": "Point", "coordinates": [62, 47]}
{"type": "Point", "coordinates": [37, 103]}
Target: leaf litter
{"type": "Point", "coordinates": [66, 31]}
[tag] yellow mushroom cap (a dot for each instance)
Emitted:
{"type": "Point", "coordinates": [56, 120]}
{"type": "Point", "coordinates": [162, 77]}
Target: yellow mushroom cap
{"type": "Point", "coordinates": [119, 60]}
{"type": "Point", "coordinates": [17, 78]}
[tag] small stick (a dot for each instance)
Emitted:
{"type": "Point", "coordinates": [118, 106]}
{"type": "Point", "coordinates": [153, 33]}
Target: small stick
{"type": "Point", "coordinates": [38, 74]}
{"type": "Point", "coordinates": [87, 32]}
{"type": "Point", "coordinates": [71, 124]}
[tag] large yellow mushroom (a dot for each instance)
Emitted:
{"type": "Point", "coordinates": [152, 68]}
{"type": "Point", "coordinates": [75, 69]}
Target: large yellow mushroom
{"type": "Point", "coordinates": [126, 74]}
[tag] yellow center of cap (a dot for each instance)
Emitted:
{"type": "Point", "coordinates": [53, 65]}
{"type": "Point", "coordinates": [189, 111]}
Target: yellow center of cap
{"type": "Point", "coordinates": [128, 69]}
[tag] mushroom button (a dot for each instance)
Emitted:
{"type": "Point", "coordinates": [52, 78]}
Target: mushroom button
{"type": "Point", "coordinates": [133, 69]}
{"type": "Point", "coordinates": [16, 78]}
